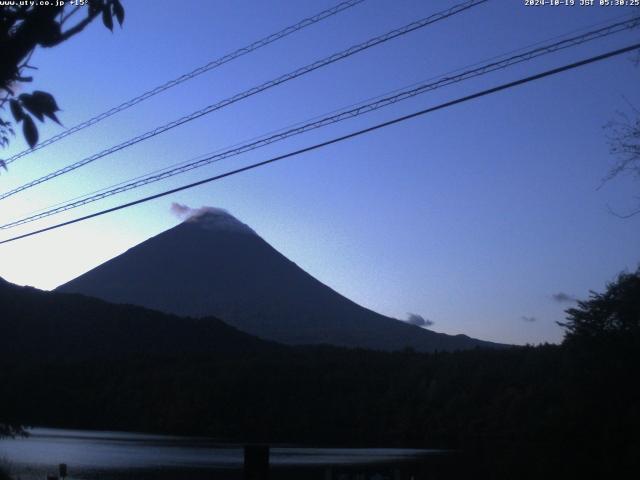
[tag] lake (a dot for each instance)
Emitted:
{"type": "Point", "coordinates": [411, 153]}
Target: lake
{"type": "Point", "coordinates": [135, 456]}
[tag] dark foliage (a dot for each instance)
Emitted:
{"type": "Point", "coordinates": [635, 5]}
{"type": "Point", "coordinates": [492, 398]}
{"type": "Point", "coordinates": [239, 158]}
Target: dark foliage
{"type": "Point", "coordinates": [567, 411]}
{"type": "Point", "coordinates": [23, 28]}
{"type": "Point", "coordinates": [52, 327]}
{"type": "Point", "coordinates": [614, 314]}
{"type": "Point", "coordinates": [544, 408]}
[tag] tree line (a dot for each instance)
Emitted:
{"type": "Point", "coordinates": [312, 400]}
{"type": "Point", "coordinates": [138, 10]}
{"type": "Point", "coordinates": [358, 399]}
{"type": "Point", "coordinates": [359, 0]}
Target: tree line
{"type": "Point", "coordinates": [567, 409]}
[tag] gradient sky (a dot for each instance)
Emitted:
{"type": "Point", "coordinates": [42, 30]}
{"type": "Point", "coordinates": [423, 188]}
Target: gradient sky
{"type": "Point", "coordinates": [473, 217]}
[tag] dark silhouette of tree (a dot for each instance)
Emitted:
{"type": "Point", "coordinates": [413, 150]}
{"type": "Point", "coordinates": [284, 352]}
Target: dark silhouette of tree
{"type": "Point", "coordinates": [23, 28]}
{"type": "Point", "coordinates": [624, 144]}
{"type": "Point", "coordinates": [551, 411]}
{"type": "Point", "coordinates": [612, 314]}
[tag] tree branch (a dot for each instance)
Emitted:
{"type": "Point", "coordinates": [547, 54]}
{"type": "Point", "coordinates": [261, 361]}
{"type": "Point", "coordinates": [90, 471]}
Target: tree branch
{"type": "Point", "coordinates": [77, 28]}
{"type": "Point", "coordinates": [69, 15]}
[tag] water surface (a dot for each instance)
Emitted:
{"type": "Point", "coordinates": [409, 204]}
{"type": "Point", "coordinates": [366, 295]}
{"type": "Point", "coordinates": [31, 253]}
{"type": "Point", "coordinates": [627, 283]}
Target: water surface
{"type": "Point", "coordinates": [119, 455]}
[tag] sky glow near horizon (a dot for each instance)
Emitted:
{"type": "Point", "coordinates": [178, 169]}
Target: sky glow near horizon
{"type": "Point", "coordinates": [473, 217]}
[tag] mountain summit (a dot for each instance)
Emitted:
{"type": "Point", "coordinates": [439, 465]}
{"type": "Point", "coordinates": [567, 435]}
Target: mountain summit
{"type": "Point", "coordinates": [217, 219]}
{"type": "Point", "coordinates": [212, 264]}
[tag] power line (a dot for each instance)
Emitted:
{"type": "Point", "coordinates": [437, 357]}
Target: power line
{"type": "Point", "coordinates": [357, 133]}
{"type": "Point", "coordinates": [376, 97]}
{"type": "Point", "coordinates": [341, 116]}
{"type": "Point", "coordinates": [263, 42]}
{"type": "Point", "coordinates": [255, 90]}
{"type": "Point", "coordinates": [387, 93]}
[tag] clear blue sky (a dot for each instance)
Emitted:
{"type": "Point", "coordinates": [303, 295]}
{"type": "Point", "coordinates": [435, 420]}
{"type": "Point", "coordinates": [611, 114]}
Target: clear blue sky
{"type": "Point", "coordinates": [472, 217]}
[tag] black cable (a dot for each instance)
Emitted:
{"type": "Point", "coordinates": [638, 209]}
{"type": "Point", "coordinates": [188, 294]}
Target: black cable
{"type": "Point", "coordinates": [357, 133]}
{"type": "Point", "coordinates": [410, 27]}
{"type": "Point", "coordinates": [192, 74]}
{"type": "Point", "coordinates": [379, 103]}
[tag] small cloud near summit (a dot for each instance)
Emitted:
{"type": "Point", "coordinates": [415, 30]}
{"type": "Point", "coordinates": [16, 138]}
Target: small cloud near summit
{"type": "Point", "coordinates": [418, 320]}
{"type": "Point", "coordinates": [210, 218]}
{"type": "Point", "coordinates": [181, 211]}
{"type": "Point", "coordinates": [185, 212]}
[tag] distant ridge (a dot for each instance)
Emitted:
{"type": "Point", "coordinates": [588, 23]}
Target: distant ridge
{"type": "Point", "coordinates": [38, 325]}
{"type": "Point", "coordinates": [213, 264]}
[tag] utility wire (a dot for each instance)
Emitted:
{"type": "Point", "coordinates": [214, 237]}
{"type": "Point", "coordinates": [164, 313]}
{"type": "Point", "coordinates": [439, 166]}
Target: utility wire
{"type": "Point", "coordinates": [504, 86]}
{"type": "Point", "coordinates": [387, 93]}
{"type": "Point", "coordinates": [368, 99]}
{"type": "Point", "coordinates": [192, 74]}
{"type": "Point", "coordinates": [341, 116]}
{"type": "Point", "coordinates": [255, 90]}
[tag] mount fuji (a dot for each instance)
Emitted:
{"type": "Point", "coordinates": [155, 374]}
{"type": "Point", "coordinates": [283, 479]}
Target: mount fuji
{"type": "Point", "coordinates": [212, 264]}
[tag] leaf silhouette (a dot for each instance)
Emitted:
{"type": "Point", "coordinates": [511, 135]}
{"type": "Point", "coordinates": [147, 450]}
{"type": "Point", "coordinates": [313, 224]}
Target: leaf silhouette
{"type": "Point", "coordinates": [46, 100]}
{"type": "Point", "coordinates": [30, 131]}
{"type": "Point", "coordinates": [41, 104]}
{"type": "Point", "coordinates": [118, 11]}
{"type": "Point", "coordinates": [16, 110]}
{"type": "Point", "coordinates": [53, 117]}
{"type": "Point", "coordinates": [32, 105]}
{"type": "Point", "coordinates": [106, 19]}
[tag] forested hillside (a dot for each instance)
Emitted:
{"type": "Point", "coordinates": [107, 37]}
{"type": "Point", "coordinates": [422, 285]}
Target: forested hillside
{"type": "Point", "coordinates": [570, 410]}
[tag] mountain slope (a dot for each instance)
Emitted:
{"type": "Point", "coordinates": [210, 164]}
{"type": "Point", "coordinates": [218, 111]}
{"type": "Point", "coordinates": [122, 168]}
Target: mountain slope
{"type": "Point", "coordinates": [212, 264]}
{"type": "Point", "coordinates": [36, 324]}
